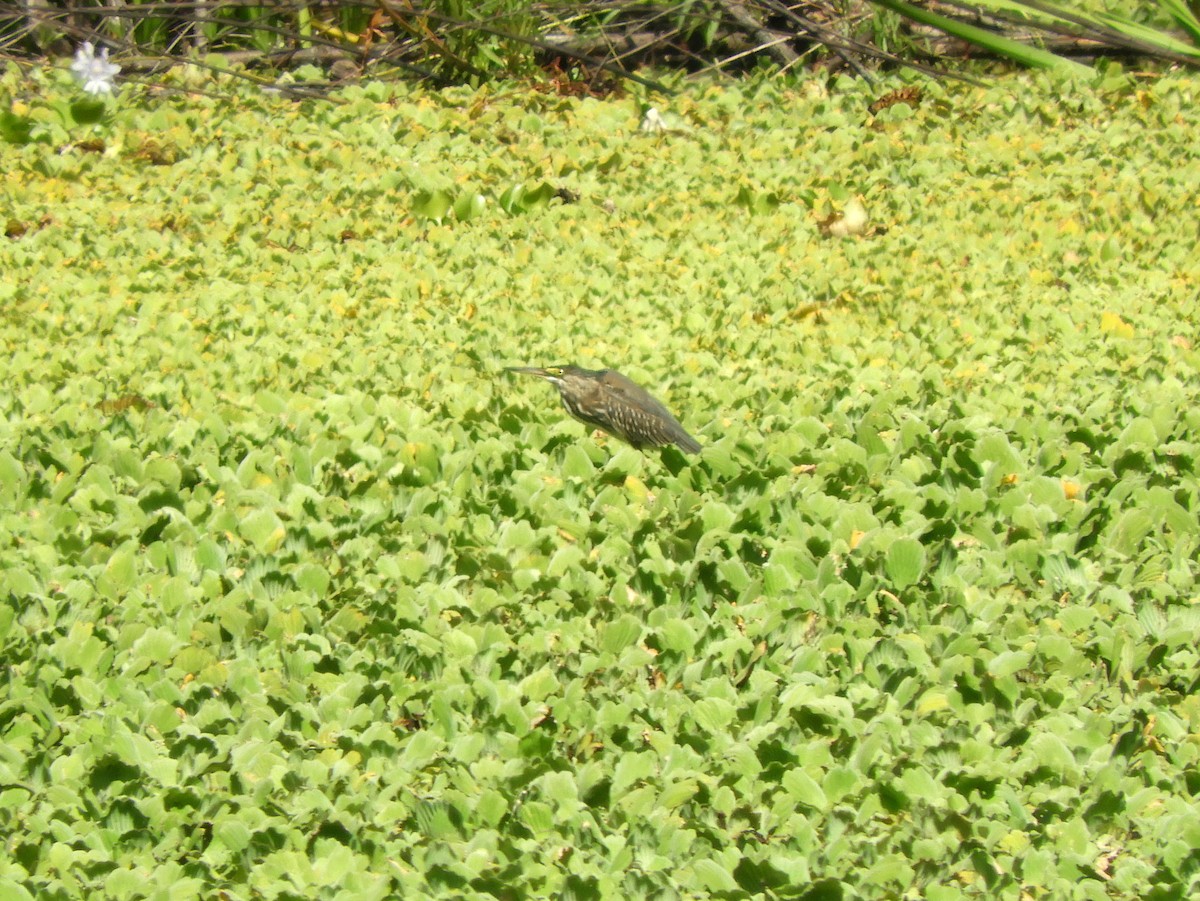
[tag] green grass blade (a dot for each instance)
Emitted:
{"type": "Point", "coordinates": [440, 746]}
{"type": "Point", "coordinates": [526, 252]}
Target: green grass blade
{"type": "Point", "coordinates": [1107, 27]}
{"type": "Point", "coordinates": [1147, 35]}
{"type": "Point", "coordinates": [1184, 17]}
{"type": "Point", "coordinates": [304, 24]}
{"type": "Point", "coordinates": [1001, 46]}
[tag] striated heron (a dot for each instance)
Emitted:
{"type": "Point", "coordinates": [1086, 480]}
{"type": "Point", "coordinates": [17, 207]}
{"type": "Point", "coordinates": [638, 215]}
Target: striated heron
{"type": "Point", "coordinates": [608, 400]}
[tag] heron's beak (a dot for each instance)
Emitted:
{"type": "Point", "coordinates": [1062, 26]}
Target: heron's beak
{"type": "Point", "coordinates": [532, 370]}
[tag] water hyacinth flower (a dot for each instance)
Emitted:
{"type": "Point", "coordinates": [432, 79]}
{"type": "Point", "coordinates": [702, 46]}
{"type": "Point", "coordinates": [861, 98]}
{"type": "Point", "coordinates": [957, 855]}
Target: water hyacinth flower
{"type": "Point", "coordinates": [96, 72]}
{"type": "Point", "coordinates": [652, 121]}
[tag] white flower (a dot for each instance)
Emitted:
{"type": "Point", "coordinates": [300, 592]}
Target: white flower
{"type": "Point", "coordinates": [96, 72]}
{"type": "Point", "coordinates": [653, 122]}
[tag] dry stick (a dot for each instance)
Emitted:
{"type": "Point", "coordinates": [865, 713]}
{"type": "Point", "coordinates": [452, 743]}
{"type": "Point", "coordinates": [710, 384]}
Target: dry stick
{"type": "Point", "coordinates": [636, 39]}
{"type": "Point", "coordinates": [14, 37]}
{"type": "Point", "coordinates": [201, 16]}
{"type": "Point", "coordinates": [30, 21]}
{"type": "Point", "coordinates": [834, 41]}
{"type": "Point", "coordinates": [277, 57]}
{"type": "Point", "coordinates": [558, 50]}
{"type": "Point", "coordinates": [830, 38]}
{"type": "Point", "coordinates": [750, 51]}
{"type": "Point", "coordinates": [772, 41]}
{"type": "Point", "coordinates": [81, 33]}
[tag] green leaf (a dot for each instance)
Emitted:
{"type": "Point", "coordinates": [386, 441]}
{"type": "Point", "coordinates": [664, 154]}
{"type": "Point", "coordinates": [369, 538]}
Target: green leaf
{"type": "Point", "coordinates": [469, 205]}
{"type": "Point", "coordinates": [14, 890]}
{"type": "Point", "coordinates": [1051, 752]}
{"type": "Point", "coordinates": [313, 577]}
{"type": "Point", "coordinates": [15, 129]}
{"type": "Point", "coordinates": [263, 529]}
{"type": "Point", "coordinates": [804, 789]}
{"type": "Point", "coordinates": [678, 794]}
{"type": "Point", "coordinates": [119, 572]}
{"type": "Point", "coordinates": [565, 560]}
{"type": "Point", "coordinates": [22, 583]}
{"type": "Point", "coordinates": [631, 769]}
{"type": "Point", "coordinates": [1008, 663]}
{"type": "Point", "coordinates": [757, 202]}
{"type": "Point", "coordinates": [232, 834]}
{"type": "Point", "coordinates": [270, 403]}
{"type": "Point", "coordinates": [717, 517]}
{"type": "Point", "coordinates": [678, 635]}
{"type": "Point", "coordinates": [905, 562]}
{"type": "Point", "coordinates": [713, 714]}
{"type": "Point", "coordinates": [332, 862]}
{"type": "Point", "coordinates": [713, 876]}
{"type": "Point", "coordinates": [256, 759]}
{"type": "Point", "coordinates": [88, 112]}
{"type": "Point", "coordinates": [611, 163]}
{"type": "Point", "coordinates": [577, 464]}
{"type": "Point", "coordinates": [520, 199]}
{"type": "Point", "coordinates": [12, 473]}
{"type": "Point", "coordinates": [619, 634]}
{"type": "Point", "coordinates": [432, 205]}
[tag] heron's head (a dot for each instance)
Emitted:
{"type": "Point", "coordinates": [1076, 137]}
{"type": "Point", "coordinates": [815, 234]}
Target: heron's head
{"type": "Point", "coordinates": [549, 373]}
{"type": "Point", "coordinates": [561, 376]}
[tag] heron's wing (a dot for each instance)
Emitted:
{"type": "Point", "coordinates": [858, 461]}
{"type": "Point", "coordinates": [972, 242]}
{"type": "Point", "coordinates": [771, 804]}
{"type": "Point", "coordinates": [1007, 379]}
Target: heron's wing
{"type": "Point", "coordinates": [625, 389]}
{"type": "Point", "coordinates": [645, 420]}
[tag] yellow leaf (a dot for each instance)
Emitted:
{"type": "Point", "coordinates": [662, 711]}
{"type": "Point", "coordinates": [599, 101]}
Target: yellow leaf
{"type": "Point", "coordinates": [637, 488]}
{"type": "Point", "coordinates": [1016, 842]}
{"type": "Point", "coordinates": [931, 701]}
{"type": "Point", "coordinates": [1112, 324]}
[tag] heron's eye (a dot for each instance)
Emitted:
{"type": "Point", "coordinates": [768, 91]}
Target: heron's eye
{"type": "Point", "coordinates": [554, 370]}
